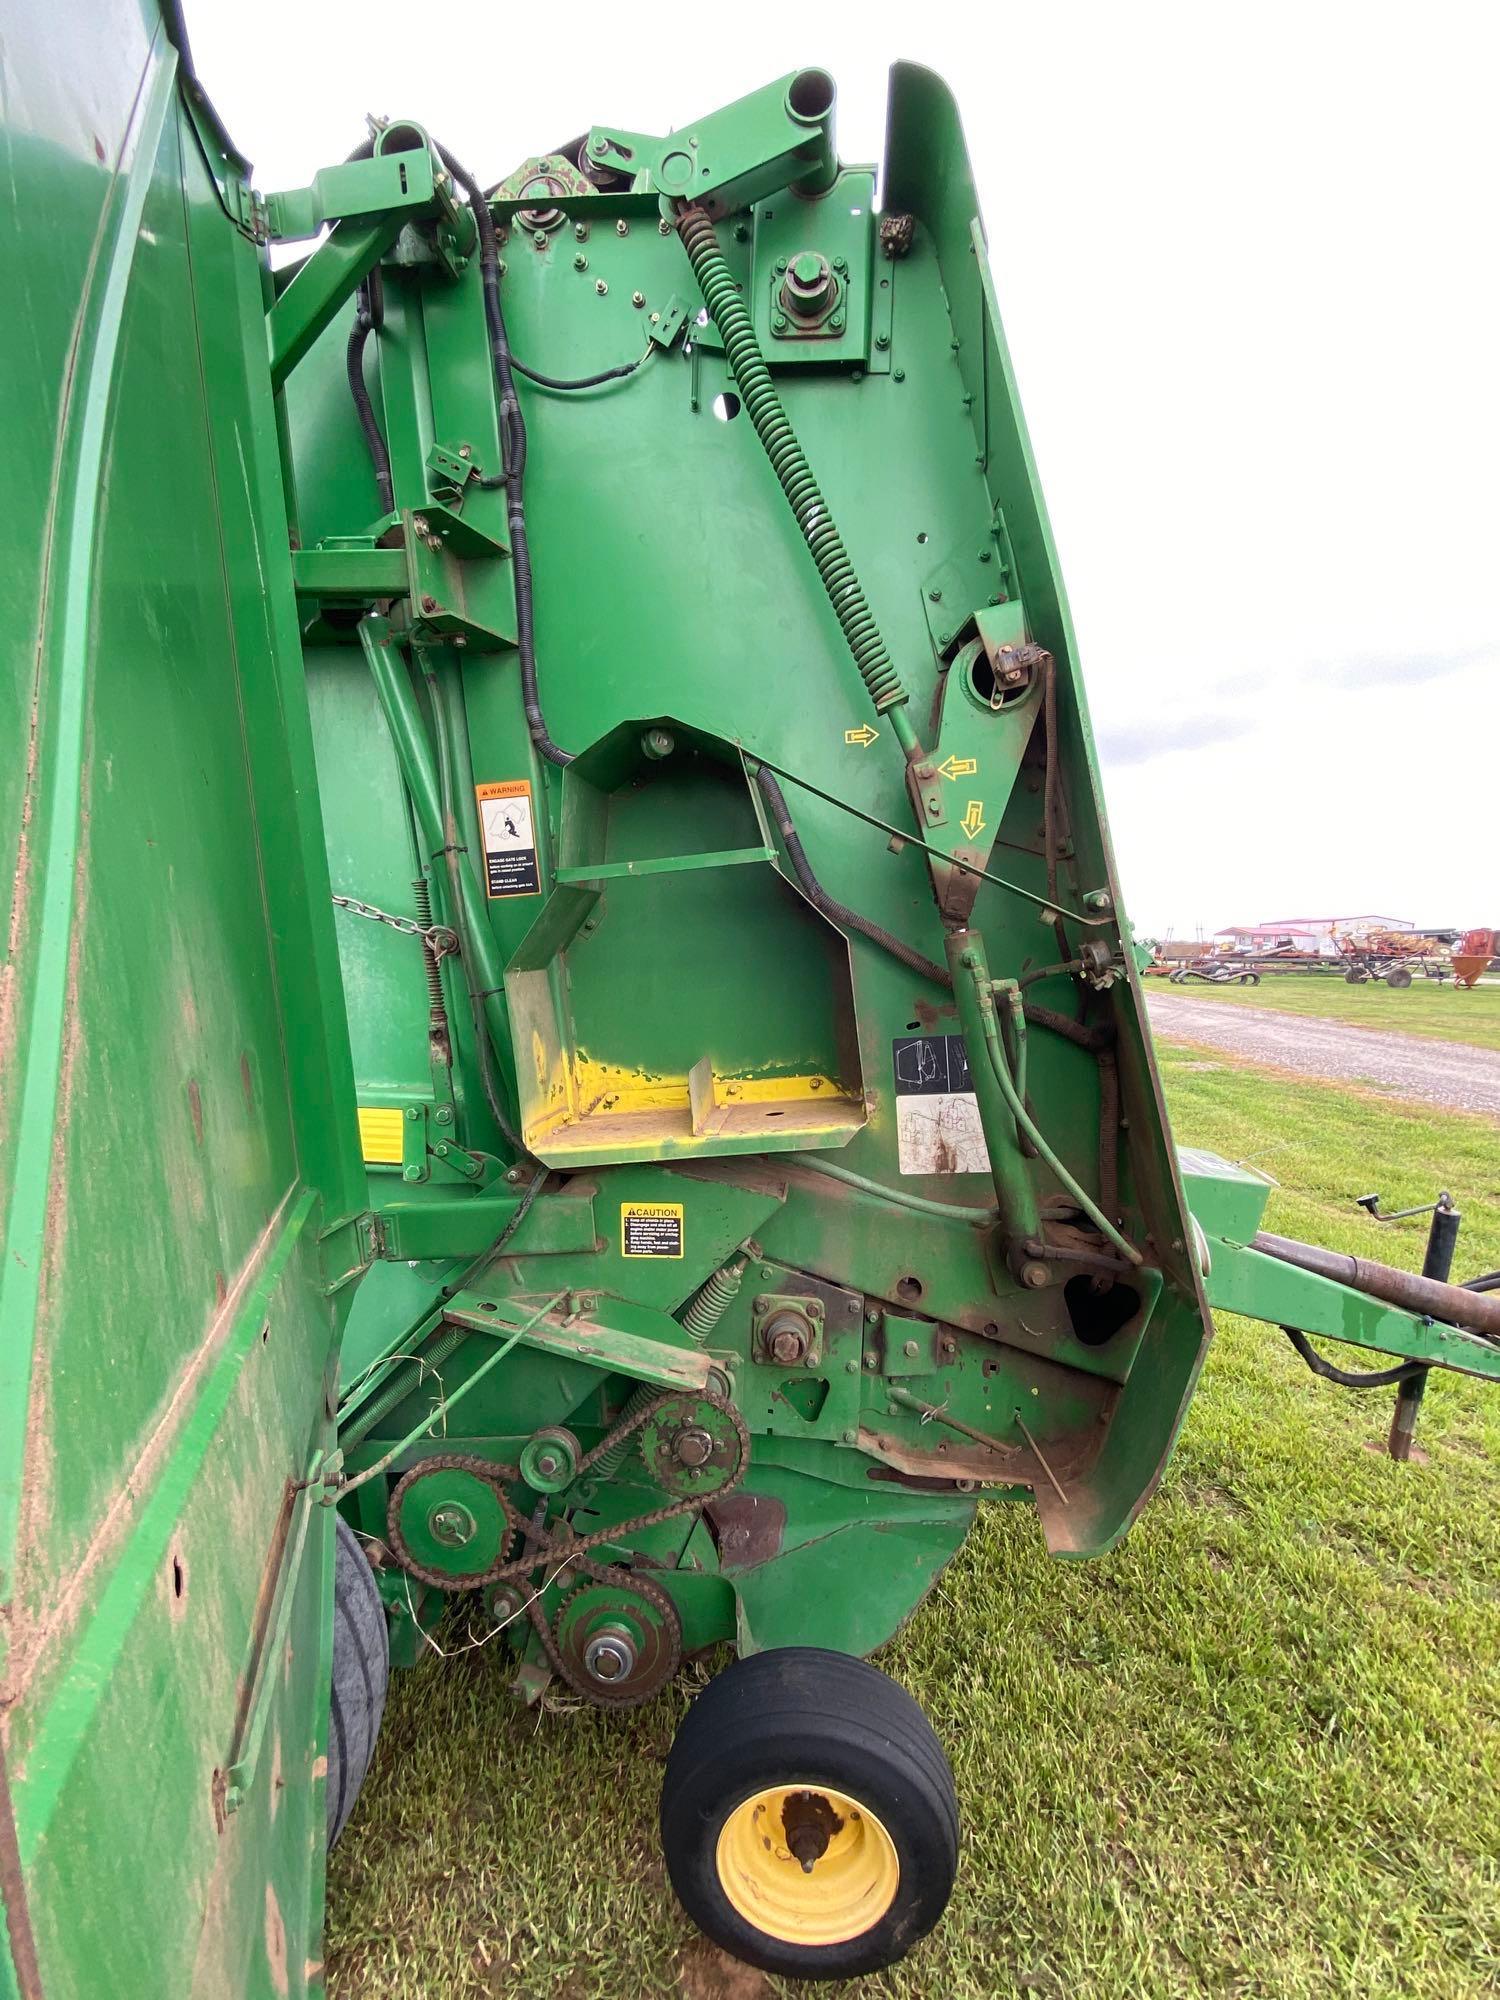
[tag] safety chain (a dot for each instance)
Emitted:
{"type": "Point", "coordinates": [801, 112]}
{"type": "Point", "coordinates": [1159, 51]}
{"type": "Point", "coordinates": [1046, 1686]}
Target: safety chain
{"type": "Point", "coordinates": [437, 937]}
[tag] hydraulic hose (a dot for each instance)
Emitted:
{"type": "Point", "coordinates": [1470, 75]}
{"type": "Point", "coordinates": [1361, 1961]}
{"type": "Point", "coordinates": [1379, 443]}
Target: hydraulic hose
{"type": "Point", "coordinates": [773, 427]}
{"type": "Point", "coordinates": [354, 361]}
{"type": "Point", "coordinates": [836, 912]}
{"type": "Point", "coordinates": [452, 847]}
{"type": "Point", "coordinates": [1348, 1378]}
{"type": "Point", "coordinates": [513, 453]}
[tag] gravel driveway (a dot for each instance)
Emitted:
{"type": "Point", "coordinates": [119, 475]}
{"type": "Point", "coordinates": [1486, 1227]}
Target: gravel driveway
{"type": "Point", "coordinates": [1446, 1073]}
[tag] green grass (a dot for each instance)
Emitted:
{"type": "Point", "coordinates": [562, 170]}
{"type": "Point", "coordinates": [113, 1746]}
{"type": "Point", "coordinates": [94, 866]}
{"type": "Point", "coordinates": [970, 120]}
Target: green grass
{"type": "Point", "coordinates": [1255, 1752]}
{"type": "Point", "coordinates": [1448, 1013]}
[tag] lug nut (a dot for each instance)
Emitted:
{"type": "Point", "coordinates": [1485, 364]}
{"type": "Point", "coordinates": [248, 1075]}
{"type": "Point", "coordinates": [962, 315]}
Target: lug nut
{"type": "Point", "coordinates": [1034, 1276]}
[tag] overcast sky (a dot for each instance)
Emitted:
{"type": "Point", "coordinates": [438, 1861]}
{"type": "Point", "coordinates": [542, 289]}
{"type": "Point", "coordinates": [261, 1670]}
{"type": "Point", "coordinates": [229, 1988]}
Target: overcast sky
{"type": "Point", "coordinates": [1246, 259]}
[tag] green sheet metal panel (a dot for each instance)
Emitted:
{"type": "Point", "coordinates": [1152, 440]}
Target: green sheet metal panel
{"type": "Point", "coordinates": [177, 1099]}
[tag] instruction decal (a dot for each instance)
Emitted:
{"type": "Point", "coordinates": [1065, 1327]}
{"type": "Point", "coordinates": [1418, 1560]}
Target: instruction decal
{"type": "Point", "coordinates": [937, 1113]}
{"type": "Point", "coordinates": [508, 826]}
{"type": "Point", "coordinates": [650, 1229]}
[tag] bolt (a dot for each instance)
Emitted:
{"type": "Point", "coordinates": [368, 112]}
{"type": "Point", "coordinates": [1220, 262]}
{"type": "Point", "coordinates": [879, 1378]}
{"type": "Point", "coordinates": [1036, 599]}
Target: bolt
{"type": "Point", "coordinates": [451, 1524]}
{"type": "Point", "coordinates": [637, 298]}
{"type": "Point", "coordinates": [539, 239]}
{"type": "Point", "coordinates": [465, 451]}
{"type": "Point", "coordinates": [600, 287]}
{"type": "Point", "coordinates": [693, 1446]}
{"type": "Point", "coordinates": [742, 232]}
{"type": "Point", "coordinates": [788, 1346]}
{"type": "Point", "coordinates": [429, 603]}
{"type": "Point", "coordinates": [412, 1113]}
{"type": "Point", "coordinates": [841, 264]}
{"type": "Point", "coordinates": [851, 1367]}
{"type": "Point", "coordinates": [419, 524]}
{"type": "Point", "coordinates": [654, 318]}
{"type": "Point", "coordinates": [601, 147]}
{"type": "Point", "coordinates": [780, 265]}
{"type": "Point", "coordinates": [580, 262]}
{"type": "Point", "coordinates": [925, 771]}
{"type": "Point", "coordinates": [882, 340]}
{"type": "Point", "coordinates": [778, 322]}
{"type": "Point", "coordinates": [581, 231]}
{"type": "Point", "coordinates": [622, 227]}
{"type": "Point", "coordinates": [1034, 1276]}
{"type": "Point", "coordinates": [837, 322]}
{"type": "Point", "coordinates": [898, 374]}
{"type": "Point", "coordinates": [872, 1314]}
{"type": "Point", "coordinates": [664, 228]}
{"type": "Point", "coordinates": [549, 1464]}
{"type": "Point", "coordinates": [933, 809]}
{"type": "Point", "coordinates": [412, 1174]}
{"type": "Point", "coordinates": [911, 1350]}
{"type": "Point", "coordinates": [444, 1114]}
{"type": "Point", "coordinates": [850, 1436]}
{"type": "Point", "coordinates": [442, 1148]}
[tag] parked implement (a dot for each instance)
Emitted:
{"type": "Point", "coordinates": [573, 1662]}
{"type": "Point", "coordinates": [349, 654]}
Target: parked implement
{"type": "Point", "coordinates": [569, 1020]}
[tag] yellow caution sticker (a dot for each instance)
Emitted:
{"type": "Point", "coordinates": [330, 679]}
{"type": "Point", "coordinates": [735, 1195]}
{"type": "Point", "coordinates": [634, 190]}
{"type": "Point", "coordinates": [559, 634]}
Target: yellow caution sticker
{"type": "Point", "coordinates": [381, 1130]}
{"type": "Point", "coordinates": [650, 1229]}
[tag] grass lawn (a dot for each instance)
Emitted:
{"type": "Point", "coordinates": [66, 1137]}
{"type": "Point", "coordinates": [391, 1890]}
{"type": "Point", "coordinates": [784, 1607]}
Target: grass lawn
{"type": "Point", "coordinates": [1255, 1752]}
{"type": "Point", "coordinates": [1449, 1013]}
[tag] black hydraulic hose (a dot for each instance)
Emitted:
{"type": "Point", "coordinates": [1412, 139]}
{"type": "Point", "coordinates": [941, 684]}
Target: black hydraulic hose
{"type": "Point", "coordinates": [513, 452]}
{"type": "Point", "coordinates": [583, 381]}
{"type": "Point", "coordinates": [1379, 1378]}
{"type": "Point", "coordinates": [482, 1046]}
{"type": "Point", "coordinates": [838, 913]}
{"type": "Point", "coordinates": [1095, 1039]}
{"type": "Point", "coordinates": [354, 361]}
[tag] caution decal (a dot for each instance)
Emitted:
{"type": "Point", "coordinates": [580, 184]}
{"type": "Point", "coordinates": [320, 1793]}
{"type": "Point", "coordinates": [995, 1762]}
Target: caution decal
{"type": "Point", "coordinates": [508, 826]}
{"type": "Point", "coordinates": [650, 1229]}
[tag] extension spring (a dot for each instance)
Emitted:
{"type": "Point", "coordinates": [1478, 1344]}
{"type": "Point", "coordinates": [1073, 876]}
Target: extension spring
{"type": "Point", "coordinates": [773, 428]}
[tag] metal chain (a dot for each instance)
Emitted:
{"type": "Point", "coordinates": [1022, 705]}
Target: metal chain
{"type": "Point", "coordinates": [438, 937]}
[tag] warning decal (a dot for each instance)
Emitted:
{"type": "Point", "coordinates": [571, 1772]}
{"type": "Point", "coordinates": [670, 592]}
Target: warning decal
{"type": "Point", "coordinates": [650, 1229]}
{"type": "Point", "coordinates": [937, 1114]}
{"type": "Point", "coordinates": [509, 833]}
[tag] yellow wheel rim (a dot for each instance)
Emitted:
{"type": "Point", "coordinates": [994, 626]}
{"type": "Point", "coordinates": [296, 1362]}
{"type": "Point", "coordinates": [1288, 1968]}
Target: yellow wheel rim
{"type": "Point", "coordinates": [837, 1884]}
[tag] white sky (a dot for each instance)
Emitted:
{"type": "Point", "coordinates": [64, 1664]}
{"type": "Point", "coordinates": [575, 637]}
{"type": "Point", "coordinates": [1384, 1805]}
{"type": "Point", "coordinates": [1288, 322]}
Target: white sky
{"type": "Point", "coordinates": [1246, 258]}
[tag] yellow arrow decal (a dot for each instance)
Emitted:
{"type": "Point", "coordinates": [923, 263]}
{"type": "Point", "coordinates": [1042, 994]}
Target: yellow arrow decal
{"type": "Point", "coordinates": [864, 736]}
{"type": "Point", "coordinates": [973, 820]}
{"type": "Point", "coordinates": [959, 767]}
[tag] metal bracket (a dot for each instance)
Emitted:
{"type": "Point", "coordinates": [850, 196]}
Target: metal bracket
{"type": "Point", "coordinates": [786, 1329]}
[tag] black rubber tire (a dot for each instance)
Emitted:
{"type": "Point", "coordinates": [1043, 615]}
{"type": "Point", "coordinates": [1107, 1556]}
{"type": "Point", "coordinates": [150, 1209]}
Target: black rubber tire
{"type": "Point", "coordinates": [361, 1669]}
{"type": "Point", "coordinates": [1400, 977]}
{"type": "Point", "coordinates": [800, 1715]}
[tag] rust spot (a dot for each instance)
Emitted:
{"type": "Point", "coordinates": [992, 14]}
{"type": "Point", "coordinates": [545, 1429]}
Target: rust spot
{"type": "Point", "coordinates": [221, 1288]}
{"type": "Point", "coordinates": [195, 1106]}
{"type": "Point", "coordinates": [931, 1014]}
{"type": "Point", "coordinates": [747, 1528]}
{"type": "Point", "coordinates": [275, 1941]}
{"type": "Point", "coordinates": [247, 1079]}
